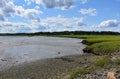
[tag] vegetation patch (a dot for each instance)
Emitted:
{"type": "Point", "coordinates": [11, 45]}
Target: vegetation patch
{"type": "Point", "coordinates": [99, 44]}
{"type": "Point", "coordinates": [104, 47]}
{"type": "Point", "coordinates": [81, 72]}
{"type": "Point", "coordinates": [76, 72]}
{"type": "Point", "coordinates": [117, 61]}
{"type": "Point", "coordinates": [103, 61]}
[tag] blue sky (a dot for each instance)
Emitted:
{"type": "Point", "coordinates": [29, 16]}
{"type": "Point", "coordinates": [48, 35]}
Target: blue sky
{"type": "Point", "coordinates": [59, 15]}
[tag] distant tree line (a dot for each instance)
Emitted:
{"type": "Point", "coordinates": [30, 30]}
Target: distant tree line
{"type": "Point", "coordinates": [62, 33]}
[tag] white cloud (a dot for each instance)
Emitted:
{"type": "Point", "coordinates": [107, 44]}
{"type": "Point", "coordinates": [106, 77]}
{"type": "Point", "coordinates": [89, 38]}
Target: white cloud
{"type": "Point", "coordinates": [37, 7]}
{"type": "Point", "coordinates": [11, 27]}
{"type": "Point", "coordinates": [28, 2]}
{"type": "Point", "coordinates": [61, 23]}
{"type": "Point", "coordinates": [62, 4]}
{"type": "Point", "coordinates": [109, 23]}
{"type": "Point", "coordinates": [38, 1]}
{"type": "Point", "coordinates": [80, 23]}
{"type": "Point", "coordinates": [59, 4]}
{"type": "Point", "coordinates": [90, 11]}
{"type": "Point", "coordinates": [58, 23]}
{"type": "Point", "coordinates": [31, 14]}
{"type": "Point", "coordinates": [8, 8]}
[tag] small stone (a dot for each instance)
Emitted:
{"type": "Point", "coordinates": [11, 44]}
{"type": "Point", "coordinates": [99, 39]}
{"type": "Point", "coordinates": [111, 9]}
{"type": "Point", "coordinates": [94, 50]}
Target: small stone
{"type": "Point", "coordinates": [3, 60]}
{"type": "Point", "coordinates": [111, 75]}
{"type": "Point", "coordinates": [81, 63]}
{"type": "Point", "coordinates": [58, 52]}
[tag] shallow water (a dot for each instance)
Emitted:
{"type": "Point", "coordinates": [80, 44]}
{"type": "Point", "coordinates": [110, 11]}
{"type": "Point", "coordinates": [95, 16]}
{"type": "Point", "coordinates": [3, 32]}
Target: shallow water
{"type": "Point", "coordinates": [19, 49]}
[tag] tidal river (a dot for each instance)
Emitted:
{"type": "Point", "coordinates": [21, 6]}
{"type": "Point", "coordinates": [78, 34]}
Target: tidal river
{"type": "Point", "coordinates": [20, 49]}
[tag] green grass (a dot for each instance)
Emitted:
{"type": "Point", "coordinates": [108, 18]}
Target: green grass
{"type": "Point", "coordinates": [103, 61]}
{"type": "Point", "coordinates": [105, 48]}
{"type": "Point", "coordinates": [100, 44]}
{"type": "Point", "coordinates": [81, 72]}
{"type": "Point", "coordinates": [117, 61]}
{"type": "Point", "coordinates": [103, 45]}
{"type": "Point", "coordinates": [76, 72]}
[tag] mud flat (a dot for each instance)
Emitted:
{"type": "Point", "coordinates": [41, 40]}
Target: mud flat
{"type": "Point", "coordinates": [51, 68]}
{"type": "Point", "coordinates": [15, 50]}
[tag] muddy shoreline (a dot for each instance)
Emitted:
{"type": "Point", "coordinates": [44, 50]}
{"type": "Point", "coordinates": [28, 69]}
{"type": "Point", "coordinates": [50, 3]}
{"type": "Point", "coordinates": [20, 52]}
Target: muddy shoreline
{"type": "Point", "coordinates": [16, 50]}
{"type": "Point", "coordinates": [28, 57]}
{"type": "Point", "coordinates": [51, 68]}
{"type": "Point", "coordinates": [59, 65]}
{"type": "Point", "coordinates": [58, 68]}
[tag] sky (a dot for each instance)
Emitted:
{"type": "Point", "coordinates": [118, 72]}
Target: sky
{"type": "Point", "coordinates": [29, 16]}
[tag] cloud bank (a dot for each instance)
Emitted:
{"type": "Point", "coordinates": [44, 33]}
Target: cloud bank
{"type": "Point", "coordinates": [32, 21]}
{"type": "Point", "coordinates": [109, 23]}
{"type": "Point", "coordinates": [58, 23]}
{"type": "Point", "coordinates": [58, 4]}
{"type": "Point", "coordinates": [9, 9]}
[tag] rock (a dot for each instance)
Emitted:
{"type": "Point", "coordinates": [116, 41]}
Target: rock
{"type": "Point", "coordinates": [58, 52]}
{"type": "Point", "coordinates": [118, 76]}
{"type": "Point", "coordinates": [111, 75]}
{"type": "Point", "coordinates": [3, 60]}
{"type": "Point", "coordinates": [81, 62]}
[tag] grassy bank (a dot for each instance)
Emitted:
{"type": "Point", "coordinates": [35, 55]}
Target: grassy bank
{"type": "Point", "coordinates": [99, 44]}
{"type": "Point", "coordinates": [102, 56]}
{"type": "Point", "coordinates": [106, 48]}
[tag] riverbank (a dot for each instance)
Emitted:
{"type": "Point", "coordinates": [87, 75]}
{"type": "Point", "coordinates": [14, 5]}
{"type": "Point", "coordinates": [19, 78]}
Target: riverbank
{"type": "Point", "coordinates": [53, 68]}
{"type": "Point", "coordinates": [107, 49]}
{"type": "Point", "coordinates": [67, 67]}
{"type": "Point", "coordinates": [85, 66]}
{"type": "Point", "coordinates": [16, 50]}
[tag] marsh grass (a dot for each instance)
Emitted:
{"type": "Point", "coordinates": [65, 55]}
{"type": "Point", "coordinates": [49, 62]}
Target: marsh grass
{"type": "Point", "coordinates": [103, 46]}
{"type": "Point", "coordinates": [103, 61]}
{"type": "Point", "coordinates": [82, 71]}
{"type": "Point", "coordinates": [117, 62]}
{"type": "Point", "coordinates": [100, 44]}
{"type": "Point", "coordinates": [76, 72]}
